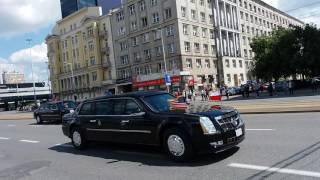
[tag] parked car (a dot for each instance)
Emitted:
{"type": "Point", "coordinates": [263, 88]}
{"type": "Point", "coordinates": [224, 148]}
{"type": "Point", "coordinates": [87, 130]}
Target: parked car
{"type": "Point", "coordinates": [149, 118]}
{"type": "Point", "coordinates": [234, 91]}
{"type": "Point", "coordinates": [53, 111]}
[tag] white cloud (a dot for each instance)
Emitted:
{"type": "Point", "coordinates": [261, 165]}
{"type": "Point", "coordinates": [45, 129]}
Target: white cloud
{"type": "Point", "coordinates": [24, 16]}
{"type": "Point", "coordinates": [21, 61]}
{"type": "Point", "coordinates": [38, 54]}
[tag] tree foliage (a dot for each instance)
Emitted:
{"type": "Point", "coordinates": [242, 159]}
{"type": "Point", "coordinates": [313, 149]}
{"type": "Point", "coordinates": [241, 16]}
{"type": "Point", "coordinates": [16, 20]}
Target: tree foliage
{"type": "Point", "coordinates": [286, 53]}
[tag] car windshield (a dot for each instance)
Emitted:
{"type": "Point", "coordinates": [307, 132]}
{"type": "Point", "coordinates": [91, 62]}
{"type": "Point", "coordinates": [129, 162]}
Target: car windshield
{"type": "Point", "coordinates": [159, 102]}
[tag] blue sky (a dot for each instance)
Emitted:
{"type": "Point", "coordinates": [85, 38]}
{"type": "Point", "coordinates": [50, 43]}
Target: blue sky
{"type": "Point", "coordinates": [23, 19]}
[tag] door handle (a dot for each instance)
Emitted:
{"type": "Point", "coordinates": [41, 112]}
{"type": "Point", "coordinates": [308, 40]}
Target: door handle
{"type": "Point", "coordinates": [125, 121]}
{"type": "Point", "coordinates": [93, 121]}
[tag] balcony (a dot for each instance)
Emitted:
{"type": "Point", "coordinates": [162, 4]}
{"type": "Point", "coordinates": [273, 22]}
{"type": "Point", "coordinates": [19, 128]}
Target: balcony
{"type": "Point", "coordinates": [106, 63]}
{"type": "Point", "coordinates": [105, 50]}
{"type": "Point", "coordinates": [103, 34]}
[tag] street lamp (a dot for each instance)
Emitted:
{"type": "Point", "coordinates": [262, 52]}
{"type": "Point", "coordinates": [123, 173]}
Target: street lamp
{"type": "Point", "coordinates": [34, 88]}
{"type": "Point", "coordinates": [164, 54]}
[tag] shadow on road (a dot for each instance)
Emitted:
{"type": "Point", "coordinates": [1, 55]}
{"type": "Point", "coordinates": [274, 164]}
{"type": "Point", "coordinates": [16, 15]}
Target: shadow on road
{"type": "Point", "coordinates": [46, 124]}
{"type": "Point", "coordinates": [146, 155]}
{"type": "Point", "coordinates": [265, 174]}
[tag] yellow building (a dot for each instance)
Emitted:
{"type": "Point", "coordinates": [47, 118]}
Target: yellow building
{"type": "Point", "coordinates": [80, 54]}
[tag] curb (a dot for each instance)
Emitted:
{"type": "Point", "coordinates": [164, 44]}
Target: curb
{"type": "Point", "coordinates": [281, 112]}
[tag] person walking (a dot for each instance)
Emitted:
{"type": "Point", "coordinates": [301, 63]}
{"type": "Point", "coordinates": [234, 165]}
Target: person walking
{"type": "Point", "coordinates": [207, 94]}
{"type": "Point", "coordinates": [203, 93]}
{"type": "Point", "coordinates": [270, 89]}
{"type": "Point", "coordinates": [290, 85]}
{"type": "Point", "coordinates": [227, 93]}
{"type": "Point", "coordinates": [247, 90]}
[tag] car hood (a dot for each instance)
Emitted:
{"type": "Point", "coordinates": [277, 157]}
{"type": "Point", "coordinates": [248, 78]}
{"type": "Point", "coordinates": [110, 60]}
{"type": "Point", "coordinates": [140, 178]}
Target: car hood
{"type": "Point", "coordinates": [208, 110]}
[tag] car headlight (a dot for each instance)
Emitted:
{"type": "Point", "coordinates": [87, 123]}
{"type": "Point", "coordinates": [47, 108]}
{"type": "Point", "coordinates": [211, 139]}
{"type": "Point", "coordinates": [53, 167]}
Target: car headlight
{"type": "Point", "coordinates": [240, 120]}
{"type": "Point", "coordinates": [207, 126]}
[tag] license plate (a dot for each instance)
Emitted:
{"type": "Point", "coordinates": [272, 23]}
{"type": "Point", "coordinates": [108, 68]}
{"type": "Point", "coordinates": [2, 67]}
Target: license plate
{"type": "Point", "coordinates": [238, 132]}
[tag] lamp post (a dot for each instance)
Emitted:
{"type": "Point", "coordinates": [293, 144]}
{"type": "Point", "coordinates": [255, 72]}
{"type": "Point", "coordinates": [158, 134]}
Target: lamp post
{"type": "Point", "coordinates": [48, 73]}
{"type": "Point", "coordinates": [164, 55]}
{"type": "Point", "coordinates": [34, 88]}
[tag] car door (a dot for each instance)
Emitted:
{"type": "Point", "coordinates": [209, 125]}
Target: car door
{"type": "Point", "coordinates": [42, 111]}
{"type": "Point", "coordinates": [53, 112]}
{"type": "Point", "coordinates": [108, 121]}
{"type": "Point", "coordinates": [137, 124]}
{"type": "Point", "coordinates": [88, 120]}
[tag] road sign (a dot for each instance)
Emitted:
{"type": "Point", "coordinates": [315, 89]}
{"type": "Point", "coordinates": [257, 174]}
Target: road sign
{"type": "Point", "coordinates": [167, 79]}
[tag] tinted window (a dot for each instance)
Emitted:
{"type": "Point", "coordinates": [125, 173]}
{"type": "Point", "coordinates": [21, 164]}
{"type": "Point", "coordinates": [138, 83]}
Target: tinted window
{"type": "Point", "coordinates": [86, 109]}
{"type": "Point", "coordinates": [53, 107]}
{"type": "Point", "coordinates": [132, 107]}
{"type": "Point", "coordinates": [67, 105]}
{"type": "Point", "coordinates": [43, 106]}
{"type": "Point", "coordinates": [119, 107]}
{"type": "Point", "coordinates": [159, 102]}
{"type": "Point", "coordinates": [104, 108]}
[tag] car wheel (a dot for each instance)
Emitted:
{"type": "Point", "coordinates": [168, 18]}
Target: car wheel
{"type": "Point", "coordinates": [178, 145]}
{"type": "Point", "coordinates": [78, 138]}
{"type": "Point", "coordinates": [38, 119]}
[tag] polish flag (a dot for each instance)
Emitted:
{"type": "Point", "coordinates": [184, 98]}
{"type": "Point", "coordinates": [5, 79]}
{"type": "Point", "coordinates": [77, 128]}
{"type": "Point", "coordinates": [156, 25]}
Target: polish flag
{"type": "Point", "coordinates": [215, 96]}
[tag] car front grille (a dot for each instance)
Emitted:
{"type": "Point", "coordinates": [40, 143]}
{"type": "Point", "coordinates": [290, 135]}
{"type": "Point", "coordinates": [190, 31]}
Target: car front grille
{"type": "Point", "coordinates": [229, 121]}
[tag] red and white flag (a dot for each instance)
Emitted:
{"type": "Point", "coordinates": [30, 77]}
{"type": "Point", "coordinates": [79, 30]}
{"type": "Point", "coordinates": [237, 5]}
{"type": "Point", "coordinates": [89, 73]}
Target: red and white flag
{"type": "Point", "coordinates": [215, 96]}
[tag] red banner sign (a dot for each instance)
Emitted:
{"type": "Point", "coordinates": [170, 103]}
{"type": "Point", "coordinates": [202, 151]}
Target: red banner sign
{"type": "Point", "coordinates": [158, 82]}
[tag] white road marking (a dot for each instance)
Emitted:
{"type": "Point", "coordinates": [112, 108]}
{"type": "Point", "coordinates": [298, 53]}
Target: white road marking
{"type": "Point", "coordinates": [28, 141]}
{"type": "Point", "coordinates": [4, 138]}
{"type": "Point", "coordinates": [277, 170]}
{"type": "Point", "coordinates": [259, 129]}
{"type": "Point", "coordinates": [11, 125]}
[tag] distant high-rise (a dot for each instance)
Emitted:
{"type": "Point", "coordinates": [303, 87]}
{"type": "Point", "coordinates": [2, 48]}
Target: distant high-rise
{"type": "Point", "coordinates": [70, 6]}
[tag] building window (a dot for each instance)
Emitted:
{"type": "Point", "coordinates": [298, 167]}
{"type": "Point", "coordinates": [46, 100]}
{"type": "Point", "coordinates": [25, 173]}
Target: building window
{"type": "Point", "coordinates": [227, 63]}
{"type": "Point", "coordinates": [193, 14]}
{"type": "Point", "coordinates": [228, 78]}
{"type": "Point", "coordinates": [148, 69]}
{"type": "Point", "coordinates": [147, 53]}
{"type": "Point", "coordinates": [120, 16]}
{"type": "Point", "coordinates": [124, 60]}
{"type": "Point", "coordinates": [171, 48]}
{"type": "Point", "coordinates": [189, 63]}
{"type": "Point", "coordinates": [240, 64]}
{"type": "Point", "coordinates": [144, 21]}
{"type": "Point", "coordinates": [94, 76]}
{"type": "Point", "coordinates": [183, 11]}
{"type": "Point", "coordinates": [211, 34]}
{"type": "Point", "coordinates": [155, 17]}
{"type": "Point", "coordinates": [198, 63]}
{"type": "Point", "coordinates": [195, 31]}
{"type": "Point", "coordinates": [142, 5]}
{"type": "Point", "coordinates": [157, 34]}
{"type": "Point", "coordinates": [138, 70]}
{"type": "Point", "coordinates": [187, 46]}
{"type": "Point", "coordinates": [92, 60]}
{"type": "Point", "coordinates": [169, 30]}
{"type": "Point", "coordinates": [145, 37]}
{"type": "Point", "coordinates": [207, 63]}
{"type": "Point", "coordinates": [204, 32]}
{"type": "Point", "coordinates": [168, 13]}
{"type": "Point", "coordinates": [203, 16]}
{"type": "Point", "coordinates": [196, 47]}
{"type": "Point", "coordinates": [134, 41]}
{"type": "Point", "coordinates": [154, 2]}
{"type": "Point", "coordinates": [158, 50]}
{"type": "Point", "coordinates": [133, 25]}
{"type": "Point", "coordinates": [185, 28]}
{"type": "Point", "coordinates": [205, 48]}
{"type": "Point", "coordinates": [132, 9]}
{"type": "Point", "coordinates": [234, 63]}
{"type": "Point", "coordinates": [241, 77]}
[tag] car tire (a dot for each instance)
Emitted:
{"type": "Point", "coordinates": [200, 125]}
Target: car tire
{"type": "Point", "coordinates": [38, 119]}
{"type": "Point", "coordinates": [177, 145]}
{"type": "Point", "coordinates": [78, 139]}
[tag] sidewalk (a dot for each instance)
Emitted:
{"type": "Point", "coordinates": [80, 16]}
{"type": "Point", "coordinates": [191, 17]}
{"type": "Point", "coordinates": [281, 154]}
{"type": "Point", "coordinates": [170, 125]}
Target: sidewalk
{"type": "Point", "coordinates": [16, 115]}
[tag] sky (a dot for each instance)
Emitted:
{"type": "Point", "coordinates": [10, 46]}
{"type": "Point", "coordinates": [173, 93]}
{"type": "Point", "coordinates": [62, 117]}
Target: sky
{"type": "Point", "coordinates": [34, 19]}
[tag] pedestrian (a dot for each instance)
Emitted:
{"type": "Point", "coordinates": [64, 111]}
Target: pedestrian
{"type": "Point", "coordinates": [290, 85]}
{"type": "Point", "coordinates": [184, 94]}
{"type": "Point", "coordinates": [202, 95]}
{"type": "Point", "coordinates": [247, 90]}
{"type": "Point", "coordinates": [270, 89]}
{"type": "Point", "coordinates": [242, 88]}
{"type": "Point", "coordinates": [207, 94]}
{"type": "Point", "coordinates": [227, 93]}
{"type": "Point", "coordinates": [314, 85]}
{"type": "Point", "coordinates": [257, 89]}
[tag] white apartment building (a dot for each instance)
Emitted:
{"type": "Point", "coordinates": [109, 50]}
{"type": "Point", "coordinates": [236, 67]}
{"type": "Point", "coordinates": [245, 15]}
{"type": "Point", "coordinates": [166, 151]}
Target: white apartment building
{"type": "Point", "coordinates": [188, 37]}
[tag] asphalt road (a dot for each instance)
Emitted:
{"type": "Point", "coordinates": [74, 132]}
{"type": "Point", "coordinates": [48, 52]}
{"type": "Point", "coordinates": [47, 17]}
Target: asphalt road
{"type": "Point", "coordinates": [277, 146]}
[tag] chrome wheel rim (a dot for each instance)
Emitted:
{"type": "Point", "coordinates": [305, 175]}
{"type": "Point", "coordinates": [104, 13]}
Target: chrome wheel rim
{"type": "Point", "coordinates": [76, 137]}
{"type": "Point", "coordinates": [175, 145]}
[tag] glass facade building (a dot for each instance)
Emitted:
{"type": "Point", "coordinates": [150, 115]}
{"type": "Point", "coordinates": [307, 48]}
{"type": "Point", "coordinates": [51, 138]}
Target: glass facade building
{"type": "Point", "coordinates": [70, 6]}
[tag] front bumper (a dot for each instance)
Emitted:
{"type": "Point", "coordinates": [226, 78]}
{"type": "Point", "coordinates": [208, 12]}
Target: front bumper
{"type": "Point", "coordinates": [219, 142]}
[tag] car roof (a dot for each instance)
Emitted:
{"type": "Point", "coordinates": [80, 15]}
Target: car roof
{"type": "Point", "coordinates": [138, 94]}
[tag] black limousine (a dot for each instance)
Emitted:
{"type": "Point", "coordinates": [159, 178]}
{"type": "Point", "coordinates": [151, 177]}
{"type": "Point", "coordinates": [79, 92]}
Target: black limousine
{"type": "Point", "coordinates": [155, 118]}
